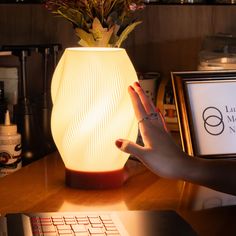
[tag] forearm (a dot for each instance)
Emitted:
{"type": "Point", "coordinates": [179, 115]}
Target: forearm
{"type": "Point", "coordinates": [216, 174]}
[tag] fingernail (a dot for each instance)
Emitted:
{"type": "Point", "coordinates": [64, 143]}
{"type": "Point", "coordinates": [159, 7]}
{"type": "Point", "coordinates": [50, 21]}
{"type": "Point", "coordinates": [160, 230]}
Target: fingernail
{"type": "Point", "coordinates": [158, 110]}
{"type": "Point", "coordinates": [119, 143]}
{"type": "Point", "coordinates": [137, 84]}
{"type": "Point", "coordinates": [131, 87]}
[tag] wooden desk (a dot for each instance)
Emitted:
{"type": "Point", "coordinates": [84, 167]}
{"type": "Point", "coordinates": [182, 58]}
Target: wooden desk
{"type": "Point", "coordinates": [40, 187]}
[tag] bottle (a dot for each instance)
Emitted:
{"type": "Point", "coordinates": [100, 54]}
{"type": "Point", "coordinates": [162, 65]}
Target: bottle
{"type": "Point", "coordinates": [3, 104]}
{"type": "Point", "coordinates": [10, 147]}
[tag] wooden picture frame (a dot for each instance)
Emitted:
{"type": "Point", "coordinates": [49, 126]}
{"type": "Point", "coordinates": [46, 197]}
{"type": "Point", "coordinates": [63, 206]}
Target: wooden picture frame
{"type": "Point", "coordinates": [206, 110]}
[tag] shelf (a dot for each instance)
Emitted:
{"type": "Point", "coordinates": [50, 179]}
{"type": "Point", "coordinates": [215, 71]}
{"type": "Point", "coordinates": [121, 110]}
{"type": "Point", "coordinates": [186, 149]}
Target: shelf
{"type": "Point", "coordinates": [147, 2]}
{"type": "Point", "coordinates": [190, 3]}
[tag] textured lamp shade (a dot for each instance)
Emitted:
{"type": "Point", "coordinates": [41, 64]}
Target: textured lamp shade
{"type": "Point", "coordinates": [91, 109]}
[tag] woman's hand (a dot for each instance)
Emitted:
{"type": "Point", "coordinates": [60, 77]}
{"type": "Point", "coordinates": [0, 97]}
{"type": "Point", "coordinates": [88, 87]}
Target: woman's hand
{"type": "Point", "coordinates": [163, 157]}
{"type": "Point", "coordinates": [159, 153]}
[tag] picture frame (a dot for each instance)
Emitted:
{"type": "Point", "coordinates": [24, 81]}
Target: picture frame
{"type": "Point", "coordinates": [206, 110]}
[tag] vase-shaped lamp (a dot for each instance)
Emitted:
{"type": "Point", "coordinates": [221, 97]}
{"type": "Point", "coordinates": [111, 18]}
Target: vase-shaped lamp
{"type": "Point", "coordinates": [91, 109]}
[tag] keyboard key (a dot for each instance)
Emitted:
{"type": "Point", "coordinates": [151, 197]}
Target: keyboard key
{"type": "Point", "coordinates": [105, 217]}
{"type": "Point", "coordinates": [46, 223]}
{"type": "Point", "coordinates": [114, 233]}
{"type": "Point", "coordinates": [95, 230]}
{"type": "Point", "coordinates": [81, 217]}
{"type": "Point", "coordinates": [57, 218]}
{"type": "Point", "coordinates": [63, 227]}
{"type": "Point", "coordinates": [97, 234]}
{"type": "Point", "coordinates": [111, 229]}
{"type": "Point", "coordinates": [92, 216]}
{"type": "Point", "coordinates": [107, 221]}
{"type": "Point", "coordinates": [94, 220]}
{"type": "Point", "coordinates": [58, 223]}
{"type": "Point", "coordinates": [64, 231]}
{"type": "Point", "coordinates": [79, 228]}
{"type": "Point", "coordinates": [83, 222]}
{"type": "Point", "coordinates": [109, 226]}
{"type": "Point", "coordinates": [69, 217]}
{"type": "Point", "coordinates": [70, 222]}
{"type": "Point", "coordinates": [97, 225]}
{"type": "Point", "coordinates": [45, 219]}
{"type": "Point", "coordinates": [47, 229]}
{"type": "Point", "coordinates": [50, 234]}
{"type": "Point", "coordinates": [67, 234]}
{"type": "Point", "coordinates": [82, 234]}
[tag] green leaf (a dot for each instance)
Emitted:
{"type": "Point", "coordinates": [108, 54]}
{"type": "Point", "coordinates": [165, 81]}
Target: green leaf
{"type": "Point", "coordinates": [114, 36]}
{"type": "Point", "coordinates": [98, 36]}
{"type": "Point", "coordinates": [125, 33]}
{"type": "Point", "coordinates": [86, 39]}
{"type": "Point", "coordinates": [66, 14]}
{"type": "Point", "coordinates": [97, 29]}
{"type": "Point", "coordinates": [101, 35]}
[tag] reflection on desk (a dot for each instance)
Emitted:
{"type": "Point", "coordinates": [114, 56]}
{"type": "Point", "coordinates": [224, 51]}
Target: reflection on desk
{"type": "Point", "coordinates": [40, 187]}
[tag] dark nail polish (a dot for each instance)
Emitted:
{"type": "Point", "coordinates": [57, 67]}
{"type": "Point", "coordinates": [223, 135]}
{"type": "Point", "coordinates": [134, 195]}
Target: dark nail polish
{"type": "Point", "coordinates": [137, 83]}
{"type": "Point", "coordinates": [119, 143]}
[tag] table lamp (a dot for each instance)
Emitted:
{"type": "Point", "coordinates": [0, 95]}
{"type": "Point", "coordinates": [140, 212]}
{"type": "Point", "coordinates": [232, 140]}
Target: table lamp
{"type": "Point", "coordinates": [91, 109]}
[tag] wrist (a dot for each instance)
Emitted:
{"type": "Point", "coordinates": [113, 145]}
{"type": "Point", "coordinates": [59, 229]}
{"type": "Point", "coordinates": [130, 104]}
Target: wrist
{"type": "Point", "coordinates": [185, 167]}
{"type": "Point", "coordinates": [191, 169]}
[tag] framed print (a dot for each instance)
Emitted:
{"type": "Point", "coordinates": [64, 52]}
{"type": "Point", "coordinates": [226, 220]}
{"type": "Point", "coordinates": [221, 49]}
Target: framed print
{"type": "Point", "coordinates": [206, 110]}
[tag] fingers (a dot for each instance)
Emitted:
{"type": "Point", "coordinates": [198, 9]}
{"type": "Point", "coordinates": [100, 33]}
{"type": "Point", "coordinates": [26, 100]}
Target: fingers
{"type": "Point", "coordinates": [163, 121]}
{"type": "Point", "coordinates": [143, 107]}
{"type": "Point", "coordinates": [130, 147]}
{"type": "Point", "coordinates": [147, 104]}
{"type": "Point", "coordinates": [141, 103]}
{"type": "Point", "coordinates": [137, 104]}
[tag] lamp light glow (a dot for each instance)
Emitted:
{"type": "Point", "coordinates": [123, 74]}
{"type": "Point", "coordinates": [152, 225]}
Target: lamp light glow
{"type": "Point", "coordinates": [91, 109]}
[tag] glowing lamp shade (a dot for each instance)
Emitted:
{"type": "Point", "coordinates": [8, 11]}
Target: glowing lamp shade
{"type": "Point", "coordinates": [91, 109]}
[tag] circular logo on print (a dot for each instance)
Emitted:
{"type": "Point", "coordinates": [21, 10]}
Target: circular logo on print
{"type": "Point", "coordinates": [213, 121]}
{"type": "Point", "coordinates": [4, 157]}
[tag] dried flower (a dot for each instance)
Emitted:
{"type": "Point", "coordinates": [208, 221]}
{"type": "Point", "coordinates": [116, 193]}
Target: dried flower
{"type": "Point", "coordinates": [98, 22]}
